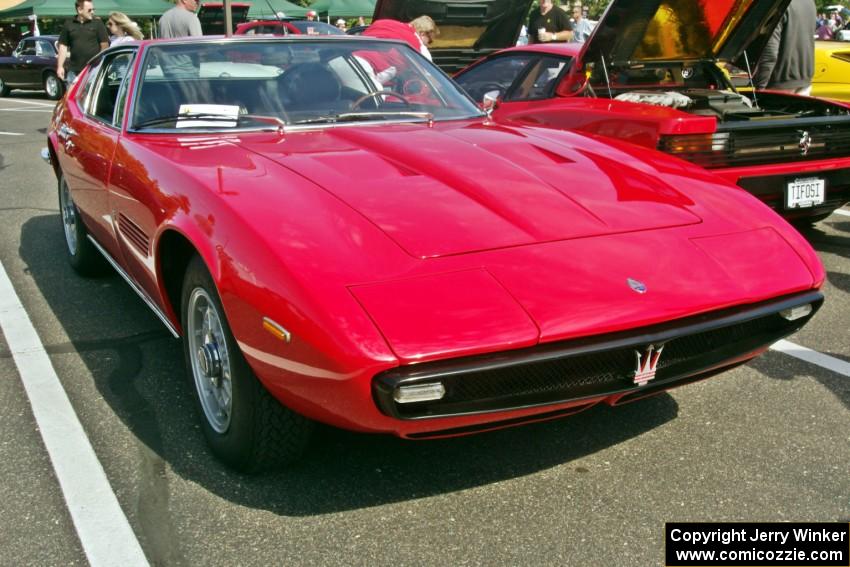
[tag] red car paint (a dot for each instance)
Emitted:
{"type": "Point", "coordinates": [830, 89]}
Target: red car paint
{"type": "Point", "coordinates": [389, 245]}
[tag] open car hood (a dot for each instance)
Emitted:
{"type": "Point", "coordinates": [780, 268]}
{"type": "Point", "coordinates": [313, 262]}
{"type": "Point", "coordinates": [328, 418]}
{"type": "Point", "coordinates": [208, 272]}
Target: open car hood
{"type": "Point", "coordinates": [211, 15]}
{"type": "Point", "coordinates": [634, 32]}
{"type": "Point", "coordinates": [463, 24]}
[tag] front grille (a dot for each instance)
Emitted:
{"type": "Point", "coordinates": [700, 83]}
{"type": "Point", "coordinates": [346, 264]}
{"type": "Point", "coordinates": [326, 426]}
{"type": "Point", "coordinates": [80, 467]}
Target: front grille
{"type": "Point", "coordinates": [586, 368]}
{"type": "Point", "coordinates": [760, 146]}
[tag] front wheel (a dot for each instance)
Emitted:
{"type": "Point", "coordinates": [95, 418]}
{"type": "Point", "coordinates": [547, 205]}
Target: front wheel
{"type": "Point", "coordinates": [244, 425]}
{"type": "Point", "coordinates": [53, 86]}
{"type": "Point", "coordinates": [4, 88]}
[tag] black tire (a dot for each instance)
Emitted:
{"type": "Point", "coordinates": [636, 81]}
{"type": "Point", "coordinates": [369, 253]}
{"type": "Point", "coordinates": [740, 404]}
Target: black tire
{"type": "Point", "coordinates": [82, 255]}
{"type": "Point", "coordinates": [4, 88]}
{"type": "Point", "coordinates": [53, 86]}
{"type": "Point", "coordinates": [246, 428]}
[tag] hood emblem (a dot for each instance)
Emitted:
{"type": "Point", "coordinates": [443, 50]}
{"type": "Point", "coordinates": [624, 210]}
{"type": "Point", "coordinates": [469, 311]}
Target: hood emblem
{"type": "Point", "coordinates": [647, 363]}
{"type": "Point", "coordinates": [805, 142]}
{"type": "Point", "coordinates": [637, 286]}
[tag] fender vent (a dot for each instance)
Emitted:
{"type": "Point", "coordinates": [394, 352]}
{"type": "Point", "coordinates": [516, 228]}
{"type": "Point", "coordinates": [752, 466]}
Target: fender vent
{"type": "Point", "coordinates": [134, 234]}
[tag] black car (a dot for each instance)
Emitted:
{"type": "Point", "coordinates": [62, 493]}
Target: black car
{"type": "Point", "coordinates": [32, 66]}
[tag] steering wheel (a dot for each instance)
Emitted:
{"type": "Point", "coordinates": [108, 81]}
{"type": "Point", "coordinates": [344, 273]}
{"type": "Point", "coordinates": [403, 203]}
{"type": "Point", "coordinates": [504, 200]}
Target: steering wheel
{"type": "Point", "coordinates": [485, 88]}
{"type": "Point", "coordinates": [356, 104]}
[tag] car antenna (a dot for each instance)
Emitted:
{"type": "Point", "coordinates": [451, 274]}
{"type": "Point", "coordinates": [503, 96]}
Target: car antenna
{"type": "Point", "coordinates": [750, 76]}
{"type": "Point", "coordinates": [276, 14]}
{"type": "Point", "coordinates": [607, 80]}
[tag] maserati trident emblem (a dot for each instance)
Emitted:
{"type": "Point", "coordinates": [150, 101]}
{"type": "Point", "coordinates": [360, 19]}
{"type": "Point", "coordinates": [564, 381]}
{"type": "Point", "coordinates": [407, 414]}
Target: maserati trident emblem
{"type": "Point", "coordinates": [805, 142]}
{"type": "Point", "coordinates": [647, 363]}
{"type": "Point", "coordinates": [639, 287]}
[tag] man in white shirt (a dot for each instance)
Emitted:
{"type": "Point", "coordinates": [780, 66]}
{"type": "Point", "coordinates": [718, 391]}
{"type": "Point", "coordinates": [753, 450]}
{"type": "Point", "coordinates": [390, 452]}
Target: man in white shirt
{"type": "Point", "coordinates": [582, 27]}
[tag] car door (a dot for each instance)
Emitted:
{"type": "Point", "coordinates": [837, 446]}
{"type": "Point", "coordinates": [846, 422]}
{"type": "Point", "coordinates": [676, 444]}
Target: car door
{"type": "Point", "coordinates": [89, 135]}
{"type": "Point", "coordinates": [24, 71]}
{"type": "Point", "coordinates": [45, 57]}
{"type": "Point", "coordinates": [136, 204]}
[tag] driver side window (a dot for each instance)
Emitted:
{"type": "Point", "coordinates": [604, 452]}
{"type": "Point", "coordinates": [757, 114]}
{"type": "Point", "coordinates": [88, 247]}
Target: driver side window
{"type": "Point", "coordinates": [28, 48]}
{"type": "Point", "coordinates": [541, 79]}
{"type": "Point", "coordinates": [106, 103]}
{"type": "Point", "coordinates": [498, 74]}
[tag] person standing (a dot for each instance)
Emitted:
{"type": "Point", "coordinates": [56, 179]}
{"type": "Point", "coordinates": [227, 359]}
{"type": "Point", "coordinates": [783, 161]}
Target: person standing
{"type": "Point", "coordinates": [582, 27]}
{"type": "Point", "coordinates": [788, 61]}
{"type": "Point", "coordinates": [122, 28]}
{"type": "Point", "coordinates": [84, 36]}
{"type": "Point", "coordinates": [549, 24]}
{"type": "Point", "coordinates": [180, 21]}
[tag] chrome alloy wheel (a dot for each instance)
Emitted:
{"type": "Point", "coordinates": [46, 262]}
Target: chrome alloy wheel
{"type": "Point", "coordinates": [210, 360]}
{"type": "Point", "coordinates": [69, 218]}
{"type": "Point", "coordinates": [52, 86]}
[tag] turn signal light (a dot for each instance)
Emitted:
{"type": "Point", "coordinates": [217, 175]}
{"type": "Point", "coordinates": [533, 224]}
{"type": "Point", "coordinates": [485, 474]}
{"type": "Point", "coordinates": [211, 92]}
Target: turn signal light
{"type": "Point", "coordinates": [796, 312]}
{"type": "Point", "coordinates": [419, 393]}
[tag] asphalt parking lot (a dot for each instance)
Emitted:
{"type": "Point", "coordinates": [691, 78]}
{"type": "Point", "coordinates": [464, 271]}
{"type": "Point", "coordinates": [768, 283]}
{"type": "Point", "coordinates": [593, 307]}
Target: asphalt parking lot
{"type": "Point", "coordinates": [768, 441]}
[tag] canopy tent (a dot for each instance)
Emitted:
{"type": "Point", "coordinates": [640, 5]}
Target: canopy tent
{"type": "Point", "coordinates": [270, 9]}
{"type": "Point", "coordinates": [65, 8]}
{"type": "Point", "coordinates": [345, 8]}
{"type": "Point", "coordinates": [139, 7]}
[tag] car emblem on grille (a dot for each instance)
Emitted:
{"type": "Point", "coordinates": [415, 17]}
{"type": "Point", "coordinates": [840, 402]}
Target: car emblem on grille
{"type": "Point", "coordinates": [639, 287]}
{"type": "Point", "coordinates": [647, 363]}
{"type": "Point", "coordinates": [805, 142]}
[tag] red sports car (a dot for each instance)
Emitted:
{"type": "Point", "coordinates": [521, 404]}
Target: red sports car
{"type": "Point", "coordinates": [396, 262]}
{"type": "Point", "coordinates": [653, 73]}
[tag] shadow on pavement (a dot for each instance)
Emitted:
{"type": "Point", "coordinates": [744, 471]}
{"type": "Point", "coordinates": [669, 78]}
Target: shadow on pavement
{"type": "Point", "coordinates": [792, 368]}
{"type": "Point", "coordinates": [138, 369]}
{"type": "Point", "coordinates": [823, 241]}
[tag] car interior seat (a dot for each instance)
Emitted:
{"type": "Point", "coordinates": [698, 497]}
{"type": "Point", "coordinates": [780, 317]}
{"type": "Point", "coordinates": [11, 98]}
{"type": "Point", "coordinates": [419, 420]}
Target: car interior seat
{"type": "Point", "coordinates": [308, 86]}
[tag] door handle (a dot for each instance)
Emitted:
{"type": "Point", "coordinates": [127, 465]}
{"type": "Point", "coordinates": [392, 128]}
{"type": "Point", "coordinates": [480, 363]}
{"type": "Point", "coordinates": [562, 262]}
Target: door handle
{"type": "Point", "coordinates": [66, 132]}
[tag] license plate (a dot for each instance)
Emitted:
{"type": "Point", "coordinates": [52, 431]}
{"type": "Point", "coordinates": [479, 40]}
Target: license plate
{"type": "Point", "coordinates": [802, 193]}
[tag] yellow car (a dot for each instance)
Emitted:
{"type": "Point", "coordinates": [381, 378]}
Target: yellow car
{"type": "Point", "coordinates": [832, 70]}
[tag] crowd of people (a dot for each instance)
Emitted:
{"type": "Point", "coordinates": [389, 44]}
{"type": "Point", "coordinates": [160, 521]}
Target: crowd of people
{"type": "Point", "coordinates": [828, 25]}
{"type": "Point", "coordinates": [787, 63]}
{"type": "Point", "coordinates": [551, 22]}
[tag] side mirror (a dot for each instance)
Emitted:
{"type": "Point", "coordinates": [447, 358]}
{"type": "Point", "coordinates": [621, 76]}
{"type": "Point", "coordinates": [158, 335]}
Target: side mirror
{"type": "Point", "coordinates": [490, 101]}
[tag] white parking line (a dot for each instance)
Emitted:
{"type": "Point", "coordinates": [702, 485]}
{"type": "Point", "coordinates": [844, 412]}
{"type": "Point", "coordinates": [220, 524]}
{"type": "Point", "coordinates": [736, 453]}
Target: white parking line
{"type": "Point", "coordinates": [31, 102]}
{"type": "Point", "coordinates": [812, 356]}
{"type": "Point", "coordinates": [45, 110]}
{"type": "Point", "coordinates": [842, 212]}
{"type": "Point", "coordinates": [104, 531]}
{"type": "Point", "coordinates": [10, 134]}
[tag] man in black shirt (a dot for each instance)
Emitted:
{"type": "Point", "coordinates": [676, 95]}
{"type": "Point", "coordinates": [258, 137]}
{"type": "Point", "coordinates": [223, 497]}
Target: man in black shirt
{"type": "Point", "coordinates": [549, 24]}
{"type": "Point", "coordinates": [85, 36]}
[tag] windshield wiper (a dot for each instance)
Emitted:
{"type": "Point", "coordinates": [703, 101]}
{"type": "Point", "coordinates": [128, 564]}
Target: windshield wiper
{"type": "Point", "coordinates": [210, 117]}
{"type": "Point", "coordinates": [371, 115]}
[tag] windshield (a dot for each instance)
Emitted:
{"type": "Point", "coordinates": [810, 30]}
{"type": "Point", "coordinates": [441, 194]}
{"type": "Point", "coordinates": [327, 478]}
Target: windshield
{"type": "Point", "coordinates": [284, 82]}
{"type": "Point", "coordinates": [316, 28]}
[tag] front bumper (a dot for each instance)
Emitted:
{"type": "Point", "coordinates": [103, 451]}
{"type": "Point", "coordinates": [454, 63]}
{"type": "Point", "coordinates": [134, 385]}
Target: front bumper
{"type": "Point", "coordinates": [593, 368]}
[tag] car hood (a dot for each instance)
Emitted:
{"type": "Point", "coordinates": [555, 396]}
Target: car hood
{"type": "Point", "coordinates": [632, 32]}
{"type": "Point", "coordinates": [453, 189]}
{"type": "Point", "coordinates": [483, 24]}
{"type": "Point", "coordinates": [211, 15]}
